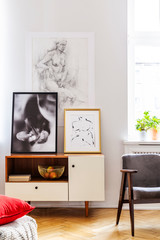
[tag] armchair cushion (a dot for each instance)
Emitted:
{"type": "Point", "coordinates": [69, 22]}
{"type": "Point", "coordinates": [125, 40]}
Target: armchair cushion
{"type": "Point", "coordinates": [144, 193]}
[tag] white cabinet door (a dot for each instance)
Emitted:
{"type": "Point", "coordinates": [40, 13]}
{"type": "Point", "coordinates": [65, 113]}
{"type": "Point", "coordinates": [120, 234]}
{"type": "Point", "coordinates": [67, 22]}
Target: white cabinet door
{"type": "Point", "coordinates": [86, 178]}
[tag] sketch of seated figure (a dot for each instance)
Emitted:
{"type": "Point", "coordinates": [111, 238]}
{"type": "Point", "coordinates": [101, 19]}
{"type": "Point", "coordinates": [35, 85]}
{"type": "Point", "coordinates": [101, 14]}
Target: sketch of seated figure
{"type": "Point", "coordinates": [56, 76]}
{"type": "Point", "coordinates": [83, 132]}
{"type": "Point", "coordinates": [53, 70]}
{"type": "Point", "coordinates": [53, 64]}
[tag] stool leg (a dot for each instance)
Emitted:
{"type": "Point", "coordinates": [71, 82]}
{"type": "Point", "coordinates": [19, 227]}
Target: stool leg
{"type": "Point", "coordinates": [121, 197]}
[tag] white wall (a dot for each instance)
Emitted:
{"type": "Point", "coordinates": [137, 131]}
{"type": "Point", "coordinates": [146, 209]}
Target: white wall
{"type": "Point", "coordinates": [107, 18]}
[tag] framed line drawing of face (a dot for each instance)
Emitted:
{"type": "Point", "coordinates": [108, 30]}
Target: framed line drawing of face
{"type": "Point", "coordinates": [82, 131]}
{"type": "Point", "coordinates": [34, 122]}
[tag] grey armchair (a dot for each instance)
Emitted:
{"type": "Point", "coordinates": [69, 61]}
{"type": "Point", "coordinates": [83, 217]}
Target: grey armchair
{"type": "Point", "coordinates": [140, 182]}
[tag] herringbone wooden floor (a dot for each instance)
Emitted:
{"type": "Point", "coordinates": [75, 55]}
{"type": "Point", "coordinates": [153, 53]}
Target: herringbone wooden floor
{"type": "Point", "coordinates": [71, 224]}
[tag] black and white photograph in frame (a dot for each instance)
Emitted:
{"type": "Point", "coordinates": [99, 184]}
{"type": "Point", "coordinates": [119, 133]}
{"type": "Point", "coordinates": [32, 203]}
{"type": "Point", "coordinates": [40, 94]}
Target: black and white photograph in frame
{"type": "Point", "coordinates": [82, 131]}
{"type": "Point", "coordinates": [34, 122]}
{"type": "Point", "coordinates": [63, 63]}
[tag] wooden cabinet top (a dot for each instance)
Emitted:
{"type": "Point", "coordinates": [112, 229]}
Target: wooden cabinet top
{"type": "Point", "coordinates": [58, 155]}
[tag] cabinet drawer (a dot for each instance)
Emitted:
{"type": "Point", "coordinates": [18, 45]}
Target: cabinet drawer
{"type": "Point", "coordinates": [38, 191]}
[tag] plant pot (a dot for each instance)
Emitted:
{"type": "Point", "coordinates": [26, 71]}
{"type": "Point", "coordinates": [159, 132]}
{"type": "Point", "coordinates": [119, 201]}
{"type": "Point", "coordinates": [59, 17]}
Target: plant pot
{"type": "Point", "coordinates": [154, 134]}
{"type": "Point", "coordinates": [142, 135]}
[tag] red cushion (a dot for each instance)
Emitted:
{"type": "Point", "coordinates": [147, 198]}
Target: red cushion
{"type": "Point", "coordinates": [12, 208]}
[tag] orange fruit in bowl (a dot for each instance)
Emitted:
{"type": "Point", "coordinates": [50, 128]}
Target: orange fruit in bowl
{"type": "Point", "coordinates": [52, 175]}
{"type": "Point", "coordinates": [46, 175]}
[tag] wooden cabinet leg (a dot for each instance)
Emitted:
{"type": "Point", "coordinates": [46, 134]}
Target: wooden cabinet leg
{"type": "Point", "coordinates": [86, 208]}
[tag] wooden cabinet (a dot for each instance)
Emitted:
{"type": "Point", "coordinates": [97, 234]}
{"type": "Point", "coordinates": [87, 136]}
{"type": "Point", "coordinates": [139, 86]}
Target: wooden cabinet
{"type": "Point", "coordinates": [83, 178]}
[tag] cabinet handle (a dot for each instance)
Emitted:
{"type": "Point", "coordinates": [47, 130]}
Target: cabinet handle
{"type": "Point", "coordinates": [73, 165]}
{"type": "Point", "coordinates": [36, 187]}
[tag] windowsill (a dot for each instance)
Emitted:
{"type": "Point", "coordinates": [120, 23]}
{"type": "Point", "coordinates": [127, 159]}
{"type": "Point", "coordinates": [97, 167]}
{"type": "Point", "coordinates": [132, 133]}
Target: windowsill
{"type": "Point", "coordinates": [146, 142]}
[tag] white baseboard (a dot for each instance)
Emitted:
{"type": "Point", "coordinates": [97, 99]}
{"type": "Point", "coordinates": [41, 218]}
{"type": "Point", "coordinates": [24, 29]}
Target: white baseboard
{"type": "Point", "coordinates": [155, 206]}
{"type": "Point", "coordinates": [69, 204]}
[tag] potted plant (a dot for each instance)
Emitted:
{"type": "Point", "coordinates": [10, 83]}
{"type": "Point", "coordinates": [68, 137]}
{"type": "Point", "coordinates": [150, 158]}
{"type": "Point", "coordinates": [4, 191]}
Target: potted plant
{"type": "Point", "coordinates": [143, 124]}
{"type": "Point", "coordinates": [154, 125]}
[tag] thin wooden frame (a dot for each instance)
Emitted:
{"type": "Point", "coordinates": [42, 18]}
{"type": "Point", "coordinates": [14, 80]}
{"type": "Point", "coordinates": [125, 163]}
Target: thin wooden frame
{"type": "Point", "coordinates": [34, 122]}
{"type": "Point", "coordinates": [82, 131]}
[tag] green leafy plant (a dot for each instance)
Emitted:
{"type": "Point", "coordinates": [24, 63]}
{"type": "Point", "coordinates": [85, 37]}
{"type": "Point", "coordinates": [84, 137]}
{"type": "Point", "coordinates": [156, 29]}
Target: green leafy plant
{"type": "Point", "coordinates": [143, 124]}
{"type": "Point", "coordinates": [154, 122]}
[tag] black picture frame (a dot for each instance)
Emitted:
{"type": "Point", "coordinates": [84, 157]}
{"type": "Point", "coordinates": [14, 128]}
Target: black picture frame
{"type": "Point", "coordinates": [34, 122]}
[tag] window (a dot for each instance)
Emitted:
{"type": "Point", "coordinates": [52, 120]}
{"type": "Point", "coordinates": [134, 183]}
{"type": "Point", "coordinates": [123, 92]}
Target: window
{"type": "Point", "coordinates": [143, 60]}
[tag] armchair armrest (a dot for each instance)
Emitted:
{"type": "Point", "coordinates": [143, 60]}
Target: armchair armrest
{"type": "Point", "coordinates": [129, 170]}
